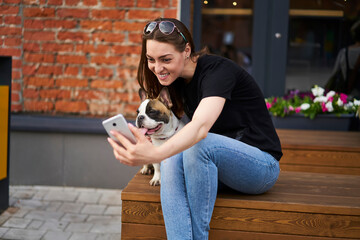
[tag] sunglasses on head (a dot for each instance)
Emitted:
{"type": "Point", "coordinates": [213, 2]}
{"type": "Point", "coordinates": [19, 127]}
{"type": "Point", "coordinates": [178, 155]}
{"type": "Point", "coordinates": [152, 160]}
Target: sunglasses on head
{"type": "Point", "coordinates": [166, 27]}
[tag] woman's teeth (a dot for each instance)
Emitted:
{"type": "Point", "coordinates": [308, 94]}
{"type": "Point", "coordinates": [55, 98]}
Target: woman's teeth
{"type": "Point", "coordinates": [163, 75]}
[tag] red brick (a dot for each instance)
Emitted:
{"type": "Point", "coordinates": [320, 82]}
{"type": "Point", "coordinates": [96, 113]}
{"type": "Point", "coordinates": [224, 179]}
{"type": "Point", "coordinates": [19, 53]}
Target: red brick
{"type": "Point", "coordinates": [49, 70]}
{"type": "Point", "coordinates": [144, 3]}
{"type": "Point", "coordinates": [129, 26]}
{"type": "Point", "coordinates": [55, 2]}
{"type": "Point", "coordinates": [170, 13]}
{"type": "Point", "coordinates": [55, 47]}
{"type": "Point", "coordinates": [6, 9]}
{"type": "Point", "coordinates": [90, 2]}
{"type": "Point", "coordinates": [64, 24]}
{"type": "Point", "coordinates": [175, 3]}
{"type": "Point", "coordinates": [130, 109]}
{"type": "Point", "coordinates": [73, 36]}
{"type": "Point", "coordinates": [15, 86]}
{"type": "Point", "coordinates": [12, 1]}
{"type": "Point", "coordinates": [30, 93]}
{"type": "Point", "coordinates": [109, 3]}
{"type": "Point", "coordinates": [132, 61]}
{"type": "Point", "coordinates": [71, 82]}
{"type": "Point", "coordinates": [106, 84]}
{"type": "Point", "coordinates": [30, 2]}
{"type": "Point", "coordinates": [15, 107]}
{"type": "Point", "coordinates": [135, 38]}
{"type": "Point", "coordinates": [38, 82]}
{"type": "Point", "coordinates": [16, 63]}
{"type": "Point", "coordinates": [39, 36]}
{"type": "Point", "coordinates": [10, 31]}
{"type": "Point", "coordinates": [88, 71]}
{"type": "Point", "coordinates": [108, 14]}
{"type": "Point", "coordinates": [106, 60]}
{"type": "Point", "coordinates": [90, 48]}
{"type": "Point", "coordinates": [29, 69]}
{"type": "Point", "coordinates": [38, 106]}
{"type": "Point", "coordinates": [106, 73]}
{"type": "Point", "coordinates": [120, 97]}
{"type": "Point", "coordinates": [55, 94]}
{"type": "Point", "coordinates": [33, 24]}
{"type": "Point", "coordinates": [90, 94]}
{"type": "Point", "coordinates": [71, 59]}
{"type": "Point", "coordinates": [15, 52]}
{"type": "Point", "coordinates": [127, 49]}
{"type": "Point", "coordinates": [12, 20]}
{"type": "Point", "coordinates": [15, 74]}
{"type": "Point", "coordinates": [31, 47]}
{"type": "Point", "coordinates": [108, 37]}
{"type": "Point", "coordinates": [126, 3]}
{"type": "Point", "coordinates": [162, 3]}
{"type": "Point", "coordinates": [96, 25]}
{"type": "Point", "coordinates": [71, 107]}
{"type": "Point", "coordinates": [71, 71]}
{"type": "Point", "coordinates": [143, 14]}
{"type": "Point", "coordinates": [39, 58]}
{"type": "Point", "coordinates": [127, 73]}
{"type": "Point", "coordinates": [72, 2]}
{"type": "Point", "coordinates": [39, 12]}
{"type": "Point", "coordinates": [12, 41]}
{"type": "Point", "coordinates": [15, 97]}
{"type": "Point", "coordinates": [73, 13]}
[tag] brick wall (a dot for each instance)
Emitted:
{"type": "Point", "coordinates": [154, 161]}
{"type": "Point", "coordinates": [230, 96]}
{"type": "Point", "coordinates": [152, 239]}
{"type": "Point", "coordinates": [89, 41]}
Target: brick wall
{"type": "Point", "coordinates": [76, 56]}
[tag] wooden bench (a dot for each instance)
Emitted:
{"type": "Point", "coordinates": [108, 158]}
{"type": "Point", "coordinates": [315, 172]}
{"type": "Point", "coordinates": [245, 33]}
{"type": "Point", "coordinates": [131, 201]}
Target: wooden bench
{"type": "Point", "coordinates": [320, 151]}
{"type": "Point", "coordinates": [302, 205]}
{"type": "Point", "coordinates": [308, 206]}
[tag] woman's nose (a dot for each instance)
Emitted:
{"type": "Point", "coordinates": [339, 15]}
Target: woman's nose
{"type": "Point", "coordinates": [158, 67]}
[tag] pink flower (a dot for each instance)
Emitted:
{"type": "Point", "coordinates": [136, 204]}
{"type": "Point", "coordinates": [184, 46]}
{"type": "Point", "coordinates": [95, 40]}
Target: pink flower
{"type": "Point", "coordinates": [291, 108]}
{"type": "Point", "coordinates": [323, 107]}
{"type": "Point", "coordinates": [298, 109]}
{"type": "Point", "coordinates": [268, 105]}
{"type": "Point", "coordinates": [330, 99]}
{"type": "Point", "coordinates": [275, 100]}
{"type": "Point", "coordinates": [343, 97]}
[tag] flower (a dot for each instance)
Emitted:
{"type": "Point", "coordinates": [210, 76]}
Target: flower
{"type": "Point", "coordinates": [317, 101]}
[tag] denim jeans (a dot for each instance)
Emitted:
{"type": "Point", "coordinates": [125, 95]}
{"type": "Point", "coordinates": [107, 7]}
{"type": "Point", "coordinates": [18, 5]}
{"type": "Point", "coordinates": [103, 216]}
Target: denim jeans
{"type": "Point", "coordinates": [189, 182]}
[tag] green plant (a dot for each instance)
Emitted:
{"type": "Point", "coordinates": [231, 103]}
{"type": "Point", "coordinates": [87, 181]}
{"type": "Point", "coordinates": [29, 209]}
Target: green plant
{"type": "Point", "coordinates": [312, 103]}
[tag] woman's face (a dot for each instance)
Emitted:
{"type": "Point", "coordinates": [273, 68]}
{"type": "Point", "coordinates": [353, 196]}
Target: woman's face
{"type": "Point", "coordinates": [164, 61]}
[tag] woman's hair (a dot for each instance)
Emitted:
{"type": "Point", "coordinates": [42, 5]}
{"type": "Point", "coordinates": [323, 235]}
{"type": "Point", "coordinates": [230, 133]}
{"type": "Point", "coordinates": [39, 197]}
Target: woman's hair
{"type": "Point", "coordinates": [147, 79]}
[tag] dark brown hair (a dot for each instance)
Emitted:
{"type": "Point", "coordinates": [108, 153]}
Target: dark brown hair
{"type": "Point", "coordinates": [147, 79]}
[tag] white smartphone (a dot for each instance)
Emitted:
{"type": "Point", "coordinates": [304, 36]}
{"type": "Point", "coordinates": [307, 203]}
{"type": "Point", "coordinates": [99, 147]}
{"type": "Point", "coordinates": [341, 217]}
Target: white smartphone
{"type": "Point", "coordinates": [118, 123]}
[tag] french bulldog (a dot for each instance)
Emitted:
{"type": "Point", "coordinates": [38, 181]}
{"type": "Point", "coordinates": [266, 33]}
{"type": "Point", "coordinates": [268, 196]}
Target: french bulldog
{"type": "Point", "coordinates": [159, 123]}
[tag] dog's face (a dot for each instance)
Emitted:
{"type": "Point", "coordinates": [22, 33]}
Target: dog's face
{"type": "Point", "coordinates": [154, 114]}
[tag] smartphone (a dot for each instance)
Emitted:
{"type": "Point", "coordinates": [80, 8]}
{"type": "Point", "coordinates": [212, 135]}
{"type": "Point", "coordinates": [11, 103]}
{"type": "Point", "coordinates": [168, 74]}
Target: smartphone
{"type": "Point", "coordinates": [118, 123]}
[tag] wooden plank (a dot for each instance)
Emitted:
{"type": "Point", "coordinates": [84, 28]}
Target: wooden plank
{"type": "Point", "coordinates": [256, 220]}
{"type": "Point", "coordinates": [157, 232]}
{"type": "Point", "coordinates": [319, 169]}
{"type": "Point", "coordinates": [324, 140]}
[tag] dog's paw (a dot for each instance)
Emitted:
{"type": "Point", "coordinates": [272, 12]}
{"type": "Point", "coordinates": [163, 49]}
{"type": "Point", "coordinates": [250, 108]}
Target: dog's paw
{"type": "Point", "coordinates": [146, 170]}
{"type": "Point", "coordinates": [155, 182]}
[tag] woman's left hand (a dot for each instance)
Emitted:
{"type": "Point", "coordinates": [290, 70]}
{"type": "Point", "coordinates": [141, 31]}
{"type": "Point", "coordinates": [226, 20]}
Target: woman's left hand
{"type": "Point", "coordinates": [128, 153]}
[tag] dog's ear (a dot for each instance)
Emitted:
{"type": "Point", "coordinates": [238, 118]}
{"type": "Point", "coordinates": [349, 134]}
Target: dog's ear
{"type": "Point", "coordinates": [165, 98]}
{"type": "Point", "coordinates": [142, 94]}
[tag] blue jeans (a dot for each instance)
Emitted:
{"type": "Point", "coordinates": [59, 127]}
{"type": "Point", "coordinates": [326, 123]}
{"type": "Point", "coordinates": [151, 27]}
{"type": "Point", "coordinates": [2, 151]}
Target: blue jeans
{"type": "Point", "coordinates": [189, 182]}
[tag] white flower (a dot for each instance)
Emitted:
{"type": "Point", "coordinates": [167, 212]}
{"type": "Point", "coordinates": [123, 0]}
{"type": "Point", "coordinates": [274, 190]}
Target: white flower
{"type": "Point", "coordinates": [329, 106]}
{"type": "Point", "coordinates": [348, 106]}
{"type": "Point", "coordinates": [317, 91]}
{"type": "Point", "coordinates": [340, 103]}
{"type": "Point", "coordinates": [305, 106]}
{"type": "Point", "coordinates": [320, 99]}
{"type": "Point", "coordinates": [330, 94]}
{"type": "Point", "coordinates": [356, 102]}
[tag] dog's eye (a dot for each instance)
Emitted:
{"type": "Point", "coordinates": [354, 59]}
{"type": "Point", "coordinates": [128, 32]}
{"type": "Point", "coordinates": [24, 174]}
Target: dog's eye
{"type": "Point", "coordinates": [152, 111]}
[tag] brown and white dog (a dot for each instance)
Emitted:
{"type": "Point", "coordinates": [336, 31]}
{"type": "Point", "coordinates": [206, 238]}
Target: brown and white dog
{"type": "Point", "coordinates": [159, 122]}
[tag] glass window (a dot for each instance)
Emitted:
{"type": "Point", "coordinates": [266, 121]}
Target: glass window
{"type": "Point", "coordinates": [227, 29]}
{"type": "Point", "coordinates": [318, 30]}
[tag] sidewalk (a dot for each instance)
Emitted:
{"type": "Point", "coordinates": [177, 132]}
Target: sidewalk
{"type": "Point", "coordinates": [62, 213]}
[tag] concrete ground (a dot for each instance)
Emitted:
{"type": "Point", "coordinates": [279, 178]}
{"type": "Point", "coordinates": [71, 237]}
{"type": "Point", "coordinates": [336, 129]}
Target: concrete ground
{"type": "Point", "coordinates": [62, 213]}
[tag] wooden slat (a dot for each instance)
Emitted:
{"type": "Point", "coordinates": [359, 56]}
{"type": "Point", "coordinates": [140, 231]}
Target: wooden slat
{"type": "Point", "coordinates": [256, 220]}
{"type": "Point", "coordinates": [325, 140]}
{"type": "Point", "coordinates": [157, 232]}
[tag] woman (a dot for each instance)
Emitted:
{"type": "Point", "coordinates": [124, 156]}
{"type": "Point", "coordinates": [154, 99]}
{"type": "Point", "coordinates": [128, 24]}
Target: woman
{"type": "Point", "coordinates": [230, 139]}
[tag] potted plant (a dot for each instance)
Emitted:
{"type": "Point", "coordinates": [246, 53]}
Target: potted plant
{"type": "Point", "coordinates": [316, 109]}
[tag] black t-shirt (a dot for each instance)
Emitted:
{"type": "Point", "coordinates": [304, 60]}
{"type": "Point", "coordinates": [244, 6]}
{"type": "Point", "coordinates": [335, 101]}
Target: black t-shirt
{"type": "Point", "coordinates": [244, 116]}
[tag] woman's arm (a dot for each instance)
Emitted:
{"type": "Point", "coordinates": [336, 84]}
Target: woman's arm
{"type": "Point", "coordinates": [143, 152]}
